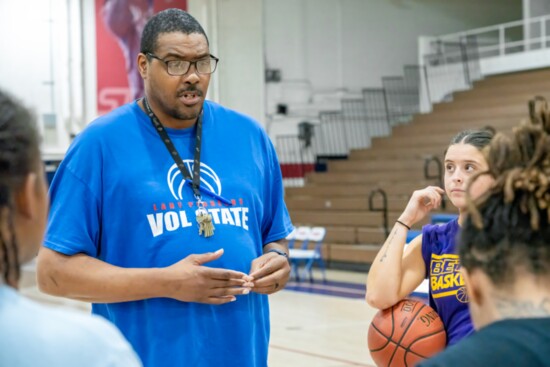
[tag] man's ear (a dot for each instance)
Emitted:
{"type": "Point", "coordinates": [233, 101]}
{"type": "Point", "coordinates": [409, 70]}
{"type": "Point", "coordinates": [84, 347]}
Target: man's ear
{"type": "Point", "coordinates": [142, 65]}
{"type": "Point", "coordinates": [26, 197]}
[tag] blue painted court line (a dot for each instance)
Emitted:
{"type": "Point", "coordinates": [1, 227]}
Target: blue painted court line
{"type": "Point", "coordinates": [330, 283]}
{"type": "Point", "coordinates": [337, 289]}
{"type": "Point", "coordinates": [329, 288]}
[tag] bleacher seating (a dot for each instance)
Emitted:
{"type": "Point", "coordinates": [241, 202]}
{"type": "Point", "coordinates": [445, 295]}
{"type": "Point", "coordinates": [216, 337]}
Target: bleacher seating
{"type": "Point", "coordinates": [338, 199]}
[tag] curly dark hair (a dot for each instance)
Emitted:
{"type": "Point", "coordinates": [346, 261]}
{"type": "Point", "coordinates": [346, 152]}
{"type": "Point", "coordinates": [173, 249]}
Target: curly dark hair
{"type": "Point", "coordinates": [507, 230]}
{"type": "Point", "coordinates": [19, 156]}
{"type": "Point", "coordinates": [168, 21]}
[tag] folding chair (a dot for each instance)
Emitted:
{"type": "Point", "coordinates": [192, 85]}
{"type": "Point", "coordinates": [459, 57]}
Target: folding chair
{"type": "Point", "coordinates": [299, 234]}
{"type": "Point", "coordinates": [291, 238]}
{"type": "Point", "coordinates": [309, 256]}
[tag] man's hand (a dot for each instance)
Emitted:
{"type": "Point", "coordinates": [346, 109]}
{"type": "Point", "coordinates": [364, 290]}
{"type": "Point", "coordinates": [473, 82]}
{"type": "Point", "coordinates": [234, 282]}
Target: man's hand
{"type": "Point", "coordinates": [189, 281]}
{"type": "Point", "coordinates": [270, 271]}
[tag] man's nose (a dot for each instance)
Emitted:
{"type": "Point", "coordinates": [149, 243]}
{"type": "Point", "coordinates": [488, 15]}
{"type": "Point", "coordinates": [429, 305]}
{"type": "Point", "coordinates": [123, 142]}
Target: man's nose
{"type": "Point", "coordinates": [192, 76]}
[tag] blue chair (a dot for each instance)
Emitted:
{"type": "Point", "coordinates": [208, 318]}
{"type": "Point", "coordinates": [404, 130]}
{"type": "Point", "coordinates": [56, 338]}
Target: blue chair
{"type": "Point", "coordinates": [441, 218]}
{"type": "Point", "coordinates": [412, 234]}
{"type": "Point", "coordinates": [309, 256]}
{"type": "Point", "coordinates": [301, 234]}
{"type": "Point", "coordinates": [291, 238]}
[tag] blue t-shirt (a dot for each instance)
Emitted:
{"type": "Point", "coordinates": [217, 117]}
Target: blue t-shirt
{"type": "Point", "coordinates": [119, 196]}
{"type": "Point", "coordinates": [447, 292]}
{"type": "Point", "coordinates": [34, 335]}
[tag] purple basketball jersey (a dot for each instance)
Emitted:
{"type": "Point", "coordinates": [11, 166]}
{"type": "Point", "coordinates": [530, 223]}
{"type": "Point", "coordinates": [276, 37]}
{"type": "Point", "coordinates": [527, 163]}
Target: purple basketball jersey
{"type": "Point", "coordinates": [447, 291]}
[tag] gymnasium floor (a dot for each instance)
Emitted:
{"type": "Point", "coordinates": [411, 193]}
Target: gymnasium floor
{"type": "Point", "coordinates": [307, 329]}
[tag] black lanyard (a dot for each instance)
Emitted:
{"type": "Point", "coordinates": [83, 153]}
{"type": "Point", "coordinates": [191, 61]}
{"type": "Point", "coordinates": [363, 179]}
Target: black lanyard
{"type": "Point", "coordinates": [196, 178]}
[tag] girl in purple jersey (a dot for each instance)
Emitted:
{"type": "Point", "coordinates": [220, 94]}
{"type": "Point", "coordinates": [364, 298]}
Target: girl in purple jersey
{"type": "Point", "coordinates": [395, 273]}
{"type": "Point", "coordinates": [504, 249]}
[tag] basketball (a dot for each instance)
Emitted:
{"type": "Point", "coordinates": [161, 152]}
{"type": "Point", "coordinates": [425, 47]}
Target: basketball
{"type": "Point", "coordinates": [405, 334]}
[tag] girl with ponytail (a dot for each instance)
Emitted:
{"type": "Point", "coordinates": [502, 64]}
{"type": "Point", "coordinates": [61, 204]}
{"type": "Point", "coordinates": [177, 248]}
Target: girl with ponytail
{"type": "Point", "coordinates": [504, 251]}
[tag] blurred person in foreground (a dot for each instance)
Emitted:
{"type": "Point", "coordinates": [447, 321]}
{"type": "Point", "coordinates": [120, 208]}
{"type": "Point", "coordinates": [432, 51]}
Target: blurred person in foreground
{"type": "Point", "coordinates": [32, 334]}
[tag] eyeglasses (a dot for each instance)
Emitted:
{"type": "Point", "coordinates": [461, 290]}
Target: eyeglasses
{"type": "Point", "coordinates": [181, 67]}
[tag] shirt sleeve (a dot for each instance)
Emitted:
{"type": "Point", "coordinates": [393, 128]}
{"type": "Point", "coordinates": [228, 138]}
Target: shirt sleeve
{"type": "Point", "coordinates": [75, 210]}
{"type": "Point", "coordinates": [276, 223]}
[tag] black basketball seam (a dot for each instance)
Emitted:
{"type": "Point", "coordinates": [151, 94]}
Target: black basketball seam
{"type": "Point", "coordinates": [404, 333]}
{"type": "Point", "coordinates": [408, 350]}
{"type": "Point", "coordinates": [381, 333]}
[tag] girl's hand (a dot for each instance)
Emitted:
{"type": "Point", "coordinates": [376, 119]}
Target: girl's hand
{"type": "Point", "coordinates": [421, 203]}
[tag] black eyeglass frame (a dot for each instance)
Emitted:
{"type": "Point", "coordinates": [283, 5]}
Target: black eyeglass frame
{"type": "Point", "coordinates": [166, 63]}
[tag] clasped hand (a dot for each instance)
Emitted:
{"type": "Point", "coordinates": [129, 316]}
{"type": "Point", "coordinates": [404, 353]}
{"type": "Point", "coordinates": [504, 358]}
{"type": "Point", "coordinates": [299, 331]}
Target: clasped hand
{"type": "Point", "coordinates": [190, 281]}
{"type": "Point", "coordinates": [270, 273]}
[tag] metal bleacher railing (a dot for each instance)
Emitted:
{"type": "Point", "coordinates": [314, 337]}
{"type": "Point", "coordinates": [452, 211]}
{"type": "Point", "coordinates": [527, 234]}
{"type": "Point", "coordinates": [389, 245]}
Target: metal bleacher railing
{"type": "Point", "coordinates": [450, 63]}
{"type": "Point", "coordinates": [467, 48]}
{"type": "Point", "coordinates": [375, 112]}
{"type": "Point", "coordinates": [507, 38]}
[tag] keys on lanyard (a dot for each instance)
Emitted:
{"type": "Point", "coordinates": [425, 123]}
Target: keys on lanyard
{"type": "Point", "coordinates": [204, 219]}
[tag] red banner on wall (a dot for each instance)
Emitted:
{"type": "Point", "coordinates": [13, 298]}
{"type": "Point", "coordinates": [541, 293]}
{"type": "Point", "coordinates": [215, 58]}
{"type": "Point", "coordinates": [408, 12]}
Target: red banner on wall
{"type": "Point", "coordinates": [119, 24]}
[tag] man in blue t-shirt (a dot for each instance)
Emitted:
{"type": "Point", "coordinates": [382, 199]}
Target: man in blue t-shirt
{"type": "Point", "coordinates": [168, 214]}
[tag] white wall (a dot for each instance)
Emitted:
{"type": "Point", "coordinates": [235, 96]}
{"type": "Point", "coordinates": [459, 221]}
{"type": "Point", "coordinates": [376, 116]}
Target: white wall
{"type": "Point", "coordinates": [35, 64]}
{"type": "Point", "coordinates": [236, 34]}
{"type": "Point", "coordinates": [241, 50]}
{"type": "Point", "coordinates": [353, 43]}
{"type": "Point", "coordinates": [206, 13]}
{"type": "Point", "coordinates": [532, 9]}
{"type": "Point", "coordinates": [332, 43]}
{"type": "Point", "coordinates": [535, 8]}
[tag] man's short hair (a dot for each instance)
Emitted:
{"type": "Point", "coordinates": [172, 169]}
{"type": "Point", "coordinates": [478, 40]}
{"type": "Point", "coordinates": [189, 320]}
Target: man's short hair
{"type": "Point", "coordinates": [168, 21]}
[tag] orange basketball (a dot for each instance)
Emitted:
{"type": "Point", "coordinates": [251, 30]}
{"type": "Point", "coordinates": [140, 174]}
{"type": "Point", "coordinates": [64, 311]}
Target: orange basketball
{"type": "Point", "coordinates": [405, 334]}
